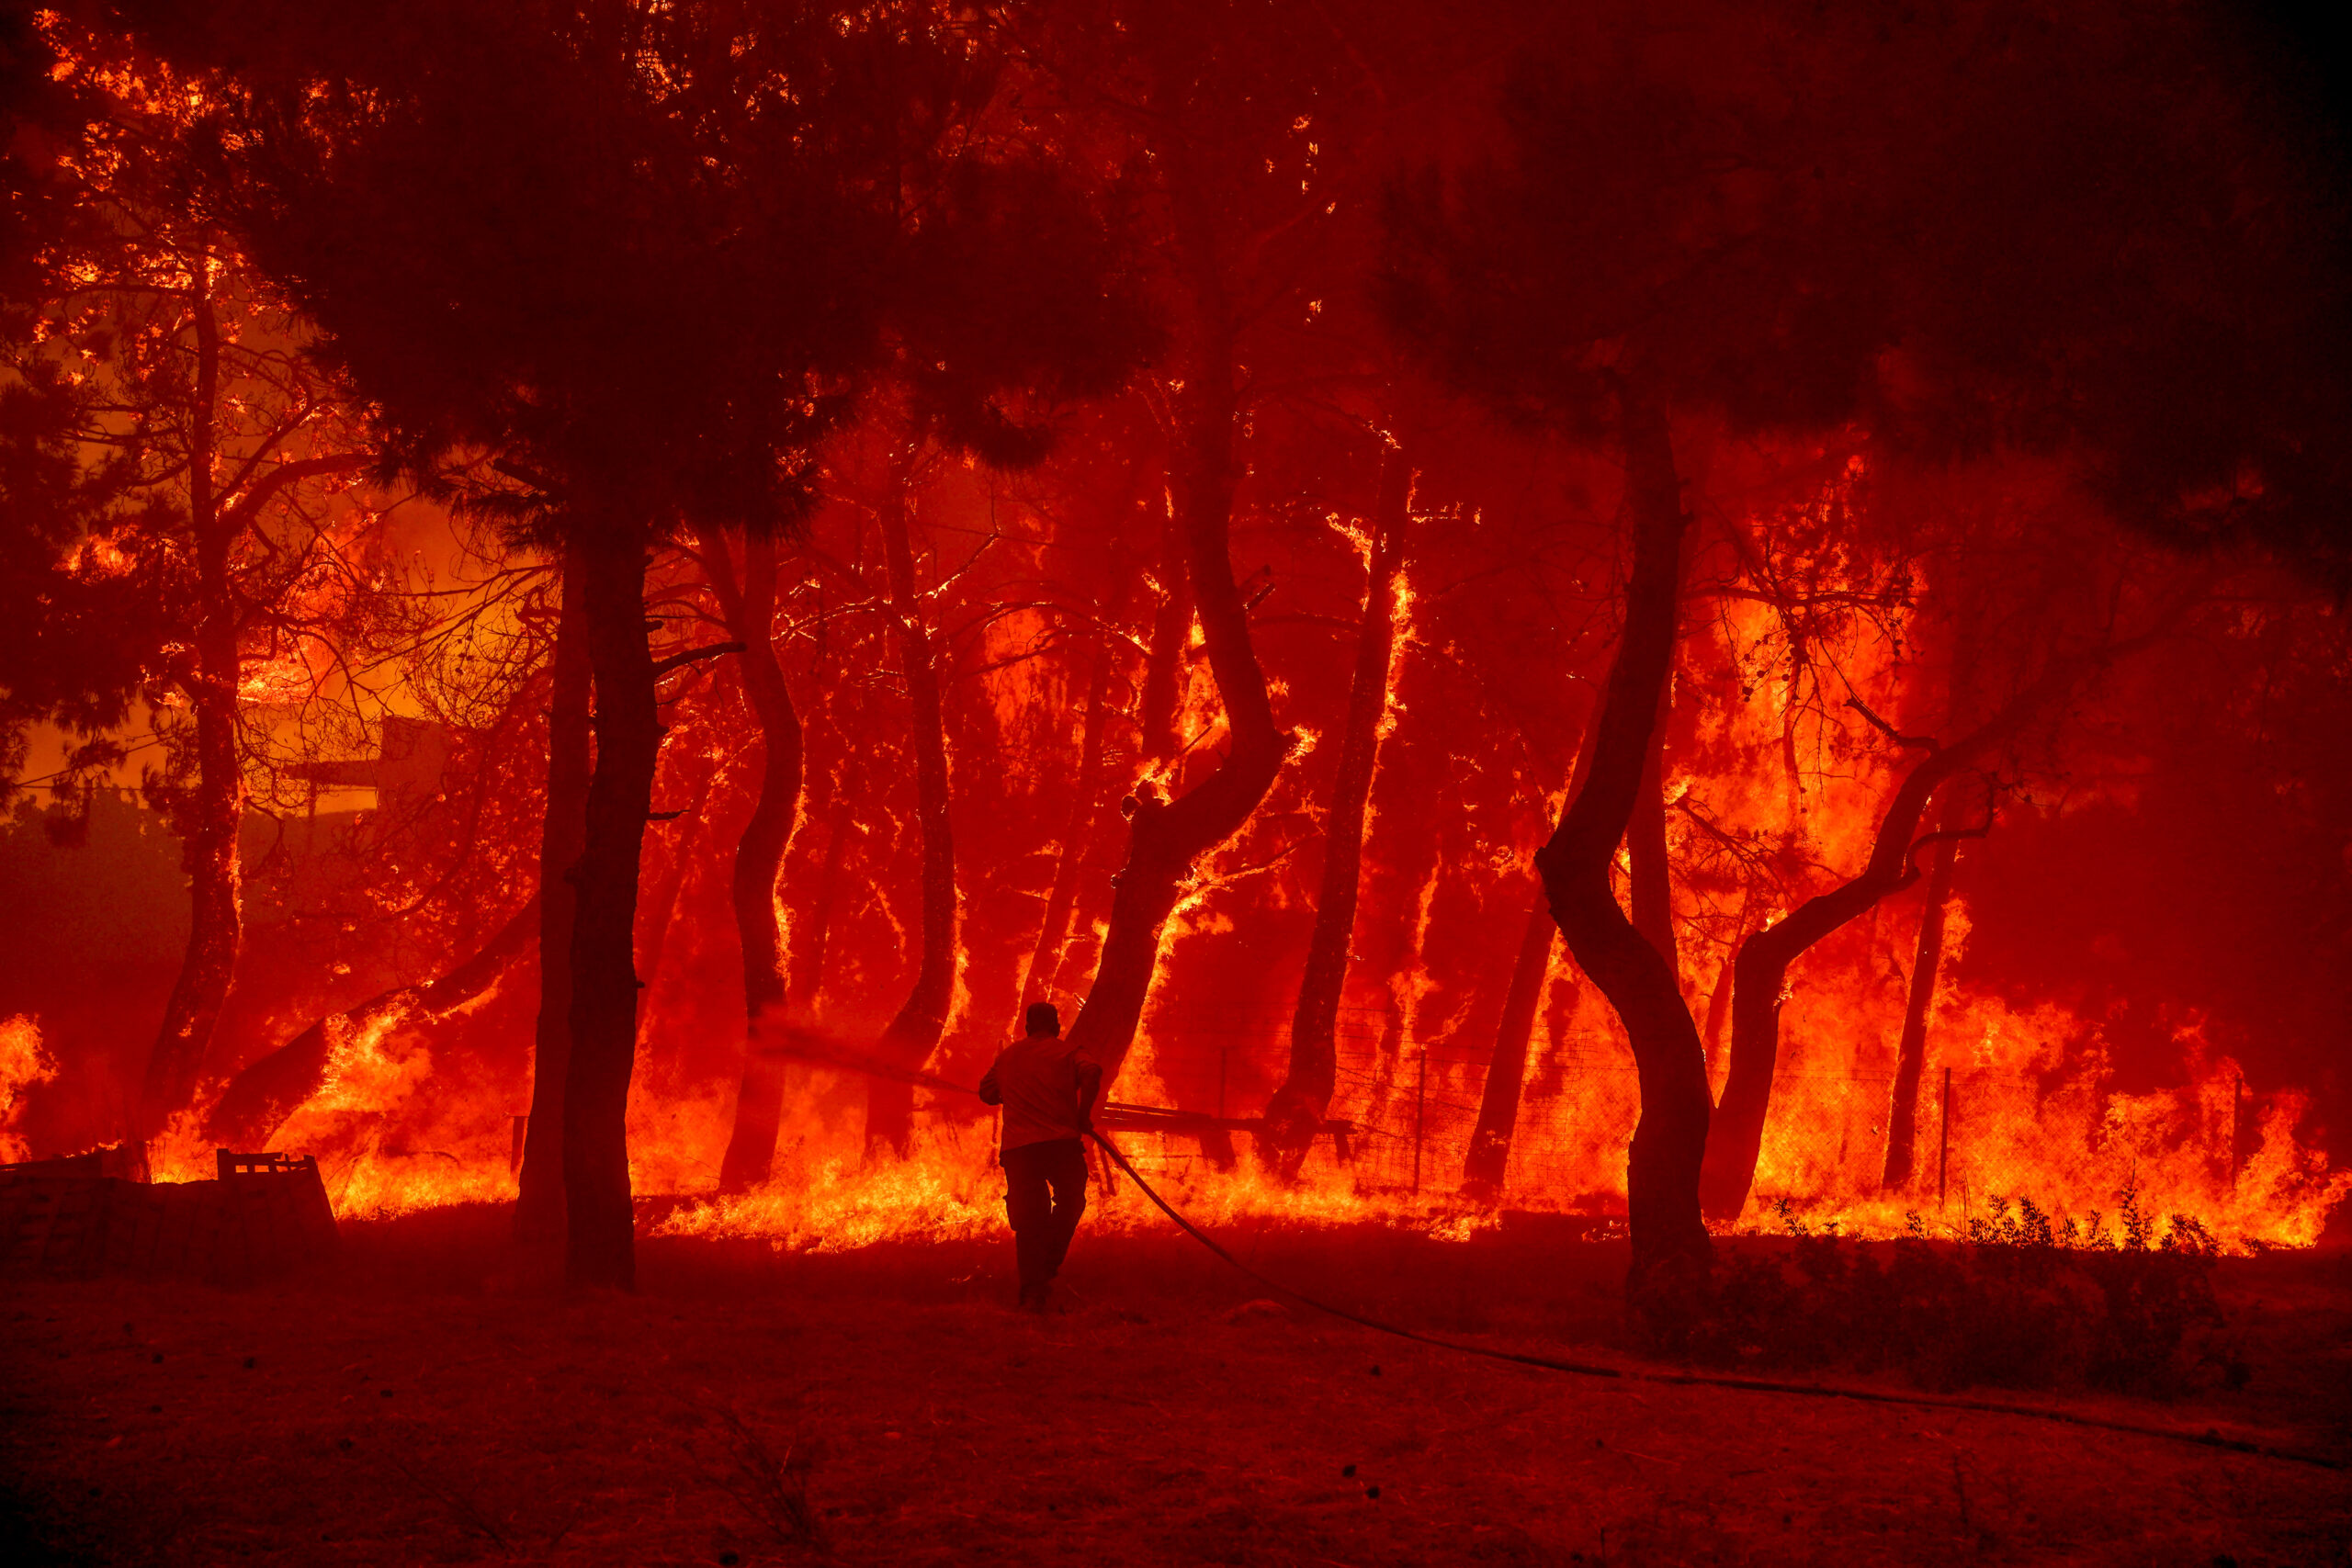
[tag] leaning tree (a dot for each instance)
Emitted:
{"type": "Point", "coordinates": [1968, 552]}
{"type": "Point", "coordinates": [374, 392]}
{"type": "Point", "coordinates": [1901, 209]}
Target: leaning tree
{"type": "Point", "coordinates": [1793, 220]}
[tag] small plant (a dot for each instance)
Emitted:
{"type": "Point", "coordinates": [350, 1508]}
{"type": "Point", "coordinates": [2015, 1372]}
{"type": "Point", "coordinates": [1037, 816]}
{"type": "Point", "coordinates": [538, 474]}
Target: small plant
{"type": "Point", "coordinates": [2136, 1225]}
{"type": "Point", "coordinates": [771, 1487]}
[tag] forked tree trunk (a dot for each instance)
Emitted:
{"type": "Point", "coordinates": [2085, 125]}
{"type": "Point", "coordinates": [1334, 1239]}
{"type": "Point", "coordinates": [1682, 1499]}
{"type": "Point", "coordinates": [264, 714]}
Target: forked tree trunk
{"type": "Point", "coordinates": [914, 1032]}
{"type": "Point", "coordinates": [1166, 838]}
{"type": "Point", "coordinates": [1669, 1141]}
{"type": "Point", "coordinates": [259, 1099]}
{"type": "Point", "coordinates": [563, 835]}
{"type": "Point", "coordinates": [1086, 802]}
{"type": "Point", "coordinates": [1489, 1156]}
{"type": "Point", "coordinates": [1760, 973]}
{"type": "Point", "coordinates": [601, 1249]}
{"type": "Point", "coordinates": [759, 856]}
{"type": "Point", "coordinates": [1304, 1097]}
{"type": "Point", "coordinates": [1911, 1054]}
{"type": "Point", "coordinates": [216, 811]}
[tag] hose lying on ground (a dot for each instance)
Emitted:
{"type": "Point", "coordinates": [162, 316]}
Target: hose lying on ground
{"type": "Point", "coordinates": [831, 1056]}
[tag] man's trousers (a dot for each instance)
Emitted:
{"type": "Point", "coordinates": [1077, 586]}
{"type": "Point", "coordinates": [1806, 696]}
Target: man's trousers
{"type": "Point", "coordinates": [1045, 1192]}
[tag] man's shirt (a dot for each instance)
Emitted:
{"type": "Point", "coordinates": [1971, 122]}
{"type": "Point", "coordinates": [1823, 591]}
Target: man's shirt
{"type": "Point", "coordinates": [1038, 1079]}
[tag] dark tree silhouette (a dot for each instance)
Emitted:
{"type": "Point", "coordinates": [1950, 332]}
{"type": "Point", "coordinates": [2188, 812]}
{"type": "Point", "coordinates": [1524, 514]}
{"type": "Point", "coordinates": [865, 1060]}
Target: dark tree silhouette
{"type": "Point", "coordinates": [1843, 220]}
{"type": "Point", "coordinates": [747, 602]}
{"type": "Point", "coordinates": [186, 444]}
{"type": "Point", "coordinates": [563, 831]}
{"type": "Point", "coordinates": [1296, 1111]}
{"type": "Point", "coordinates": [501, 223]}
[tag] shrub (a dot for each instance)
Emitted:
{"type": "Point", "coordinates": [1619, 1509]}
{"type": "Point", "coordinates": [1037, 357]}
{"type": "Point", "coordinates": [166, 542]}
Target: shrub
{"type": "Point", "coordinates": [2023, 1302]}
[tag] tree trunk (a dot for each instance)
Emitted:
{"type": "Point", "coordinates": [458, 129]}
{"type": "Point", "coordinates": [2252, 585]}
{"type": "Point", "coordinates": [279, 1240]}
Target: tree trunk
{"type": "Point", "coordinates": [259, 1100]}
{"type": "Point", "coordinates": [216, 926]}
{"type": "Point", "coordinates": [1719, 998]}
{"type": "Point", "coordinates": [1172, 636]}
{"type": "Point", "coordinates": [1911, 1051]}
{"type": "Point", "coordinates": [1489, 1156]}
{"type": "Point", "coordinates": [1166, 838]}
{"type": "Point", "coordinates": [1651, 891]}
{"type": "Point", "coordinates": [759, 856]}
{"type": "Point", "coordinates": [1911, 1056]}
{"type": "Point", "coordinates": [599, 1222]}
{"type": "Point", "coordinates": [1085, 806]}
{"type": "Point", "coordinates": [804, 972]}
{"type": "Point", "coordinates": [563, 835]}
{"type": "Point", "coordinates": [659, 908]}
{"type": "Point", "coordinates": [914, 1032]}
{"type": "Point", "coordinates": [1304, 1097]}
{"type": "Point", "coordinates": [1760, 971]}
{"type": "Point", "coordinates": [1662, 1168]}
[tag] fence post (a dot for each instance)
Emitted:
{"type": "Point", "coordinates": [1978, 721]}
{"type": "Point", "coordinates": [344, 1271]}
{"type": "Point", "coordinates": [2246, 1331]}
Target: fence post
{"type": "Point", "coordinates": [1224, 1055]}
{"type": "Point", "coordinates": [1421, 1098]}
{"type": "Point", "coordinates": [1943, 1144]}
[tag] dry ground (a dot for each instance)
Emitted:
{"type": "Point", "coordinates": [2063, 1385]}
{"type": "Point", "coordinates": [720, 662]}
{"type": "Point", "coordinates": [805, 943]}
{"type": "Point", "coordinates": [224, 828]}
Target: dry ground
{"type": "Point", "coordinates": [398, 1413]}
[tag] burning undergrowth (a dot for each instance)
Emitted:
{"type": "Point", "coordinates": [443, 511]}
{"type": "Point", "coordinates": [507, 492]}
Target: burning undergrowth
{"type": "Point", "coordinates": [399, 1127]}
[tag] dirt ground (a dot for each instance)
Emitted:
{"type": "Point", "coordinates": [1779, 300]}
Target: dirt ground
{"type": "Point", "coordinates": [886, 1406]}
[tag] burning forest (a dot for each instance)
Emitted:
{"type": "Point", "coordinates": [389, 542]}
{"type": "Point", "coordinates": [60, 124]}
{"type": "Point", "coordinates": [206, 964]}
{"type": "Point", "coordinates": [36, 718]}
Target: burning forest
{"type": "Point", "coordinates": [1658, 697]}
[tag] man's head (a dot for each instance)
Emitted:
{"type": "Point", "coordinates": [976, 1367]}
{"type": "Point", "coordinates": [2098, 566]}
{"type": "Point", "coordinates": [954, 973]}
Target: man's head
{"type": "Point", "coordinates": [1043, 1019]}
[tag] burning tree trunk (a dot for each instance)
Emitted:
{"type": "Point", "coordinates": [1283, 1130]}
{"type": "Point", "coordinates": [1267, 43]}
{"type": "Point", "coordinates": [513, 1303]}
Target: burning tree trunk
{"type": "Point", "coordinates": [1662, 1168]}
{"type": "Point", "coordinates": [601, 1249]}
{"type": "Point", "coordinates": [750, 609]}
{"type": "Point", "coordinates": [1305, 1095]}
{"type": "Point", "coordinates": [563, 836]}
{"type": "Point", "coordinates": [1166, 837]}
{"type": "Point", "coordinates": [1489, 1156]}
{"type": "Point", "coordinates": [1910, 1057]}
{"type": "Point", "coordinates": [259, 1100]}
{"type": "Point", "coordinates": [1086, 800]}
{"type": "Point", "coordinates": [915, 1031]}
{"type": "Point", "coordinates": [216, 926]}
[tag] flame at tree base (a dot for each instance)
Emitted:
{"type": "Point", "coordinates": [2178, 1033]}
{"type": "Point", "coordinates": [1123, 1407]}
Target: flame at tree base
{"type": "Point", "coordinates": [397, 1131]}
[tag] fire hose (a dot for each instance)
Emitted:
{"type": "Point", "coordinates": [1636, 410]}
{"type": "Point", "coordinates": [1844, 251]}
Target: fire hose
{"type": "Point", "coordinates": [831, 1056]}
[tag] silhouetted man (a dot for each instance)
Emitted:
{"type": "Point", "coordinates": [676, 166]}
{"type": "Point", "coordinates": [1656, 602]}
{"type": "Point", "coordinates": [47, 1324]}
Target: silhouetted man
{"type": "Point", "coordinates": [1047, 1090]}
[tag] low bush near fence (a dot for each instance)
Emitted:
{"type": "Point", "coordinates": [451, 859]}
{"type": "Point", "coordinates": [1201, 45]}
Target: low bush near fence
{"type": "Point", "coordinates": [2112, 1302]}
